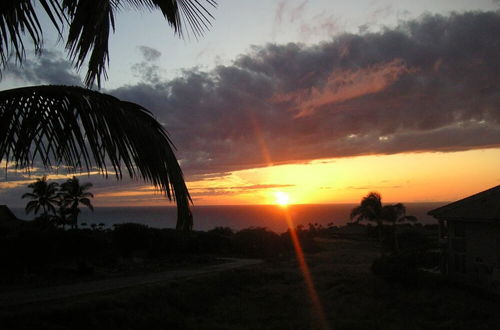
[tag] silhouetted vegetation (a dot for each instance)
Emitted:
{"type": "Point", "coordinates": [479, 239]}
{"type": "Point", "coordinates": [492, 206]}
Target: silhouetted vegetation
{"type": "Point", "coordinates": [44, 196]}
{"type": "Point", "coordinates": [418, 253]}
{"type": "Point", "coordinates": [71, 195]}
{"type": "Point", "coordinates": [55, 254]}
{"type": "Point", "coordinates": [66, 197]}
{"type": "Point", "coordinates": [273, 296]}
{"type": "Point", "coordinates": [371, 209]}
{"type": "Point", "coordinates": [79, 127]}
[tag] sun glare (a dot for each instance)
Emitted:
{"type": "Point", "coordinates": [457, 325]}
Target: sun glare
{"type": "Point", "coordinates": [281, 198]}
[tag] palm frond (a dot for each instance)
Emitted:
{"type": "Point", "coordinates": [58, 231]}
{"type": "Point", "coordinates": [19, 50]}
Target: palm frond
{"type": "Point", "coordinates": [31, 206]}
{"type": "Point", "coordinates": [51, 208]}
{"type": "Point", "coordinates": [88, 130]}
{"type": "Point", "coordinates": [87, 203]}
{"type": "Point", "coordinates": [19, 17]}
{"type": "Point", "coordinates": [178, 13]}
{"type": "Point", "coordinates": [90, 23]}
{"type": "Point", "coordinates": [28, 195]}
{"type": "Point", "coordinates": [87, 194]}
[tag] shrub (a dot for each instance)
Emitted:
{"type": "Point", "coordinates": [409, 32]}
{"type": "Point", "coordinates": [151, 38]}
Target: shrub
{"type": "Point", "coordinates": [214, 241]}
{"type": "Point", "coordinates": [404, 266]}
{"type": "Point", "coordinates": [259, 242]}
{"type": "Point", "coordinates": [306, 239]}
{"type": "Point", "coordinates": [34, 250]}
{"type": "Point", "coordinates": [129, 238]}
{"type": "Point", "coordinates": [222, 231]}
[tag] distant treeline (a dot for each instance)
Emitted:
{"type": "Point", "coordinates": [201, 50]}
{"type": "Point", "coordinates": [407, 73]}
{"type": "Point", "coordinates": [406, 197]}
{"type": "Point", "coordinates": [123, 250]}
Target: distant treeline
{"type": "Point", "coordinates": [29, 250]}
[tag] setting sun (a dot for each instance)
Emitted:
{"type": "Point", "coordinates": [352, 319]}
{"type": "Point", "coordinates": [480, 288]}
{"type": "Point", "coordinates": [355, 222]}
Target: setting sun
{"type": "Point", "coordinates": [282, 198]}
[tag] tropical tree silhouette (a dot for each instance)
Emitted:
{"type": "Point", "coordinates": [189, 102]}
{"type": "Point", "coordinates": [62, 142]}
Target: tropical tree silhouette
{"type": "Point", "coordinates": [78, 127]}
{"type": "Point", "coordinates": [72, 194]}
{"type": "Point", "coordinates": [395, 214]}
{"type": "Point", "coordinates": [43, 195]}
{"type": "Point", "coordinates": [370, 209]}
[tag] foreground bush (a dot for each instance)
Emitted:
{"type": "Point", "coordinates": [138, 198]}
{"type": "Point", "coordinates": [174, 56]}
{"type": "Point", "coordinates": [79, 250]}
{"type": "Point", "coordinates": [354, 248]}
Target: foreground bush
{"type": "Point", "coordinates": [259, 242]}
{"type": "Point", "coordinates": [404, 267]}
{"type": "Point", "coordinates": [33, 251]}
{"type": "Point", "coordinates": [55, 252]}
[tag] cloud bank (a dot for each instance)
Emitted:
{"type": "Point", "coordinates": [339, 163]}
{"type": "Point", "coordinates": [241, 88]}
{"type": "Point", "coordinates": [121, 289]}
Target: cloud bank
{"type": "Point", "coordinates": [428, 85]}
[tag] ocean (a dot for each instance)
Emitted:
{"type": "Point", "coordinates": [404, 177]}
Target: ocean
{"type": "Point", "coordinates": [234, 216]}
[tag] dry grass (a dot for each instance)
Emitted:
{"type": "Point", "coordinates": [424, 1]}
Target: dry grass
{"type": "Point", "coordinates": [273, 296]}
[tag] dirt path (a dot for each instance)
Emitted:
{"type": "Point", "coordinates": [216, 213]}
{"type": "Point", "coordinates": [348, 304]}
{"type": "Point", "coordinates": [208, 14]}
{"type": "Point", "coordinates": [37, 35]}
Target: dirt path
{"type": "Point", "coordinates": [71, 290]}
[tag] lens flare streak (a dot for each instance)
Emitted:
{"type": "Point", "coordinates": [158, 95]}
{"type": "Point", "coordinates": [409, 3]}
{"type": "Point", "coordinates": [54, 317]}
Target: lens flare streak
{"type": "Point", "coordinates": [304, 268]}
{"type": "Point", "coordinates": [306, 273]}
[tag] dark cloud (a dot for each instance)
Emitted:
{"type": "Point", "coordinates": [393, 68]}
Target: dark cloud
{"type": "Point", "coordinates": [48, 68]}
{"type": "Point", "coordinates": [251, 187]}
{"type": "Point", "coordinates": [235, 190]}
{"type": "Point", "coordinates": [148, 70]}
{"type": "Point", "coordinates": [263, 186]}
{"type": "Point", "coordinates": [149, 53]}
{"type": "Point", "coordinates": [428, 85]}
{"type": "Point", "coordinates": [308, 25]}
{"type": "Point", "coordinates": [371, 187]}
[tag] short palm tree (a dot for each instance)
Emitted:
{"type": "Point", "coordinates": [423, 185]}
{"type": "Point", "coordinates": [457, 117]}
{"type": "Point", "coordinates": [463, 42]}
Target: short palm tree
{"type": "Point", "coordinates": [370, 209]}
{"type": "Point", "coordinates": [43, 195]}
{"type": "Point", "coordinates": [395, 214]}
{"type": "Point", "coordinates": [72, 194]}
{"type": "Point", "coordinates": [78, 127]}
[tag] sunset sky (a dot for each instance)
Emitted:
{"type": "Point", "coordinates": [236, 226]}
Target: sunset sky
{"type": "Point", "coordinates": [321, 100]}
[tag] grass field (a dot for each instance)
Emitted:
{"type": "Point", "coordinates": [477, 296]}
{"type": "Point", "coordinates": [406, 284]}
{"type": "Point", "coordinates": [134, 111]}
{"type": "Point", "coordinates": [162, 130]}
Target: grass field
{"type": "Point", "coordinates": [273, 296]}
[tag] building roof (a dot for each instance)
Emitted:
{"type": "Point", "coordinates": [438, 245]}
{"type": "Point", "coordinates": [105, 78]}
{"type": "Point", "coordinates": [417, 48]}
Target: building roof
{"type": "Point", "coordinates": [481, 206]}
{"type": "Point", "coordinates": [6, 214]}
{"type": "Point", "coordinates": [7, 218]}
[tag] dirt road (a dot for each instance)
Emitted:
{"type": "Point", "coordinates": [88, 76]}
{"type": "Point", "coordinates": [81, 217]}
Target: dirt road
{"type": "Point", "coordinates": [71, 290]}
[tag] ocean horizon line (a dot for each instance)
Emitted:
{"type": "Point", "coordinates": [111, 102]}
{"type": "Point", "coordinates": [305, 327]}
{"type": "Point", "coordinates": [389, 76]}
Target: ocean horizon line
{"type": "Point", "coordinates": [267, 204]}
{"type": "Point", "coordinates": [237, 217]}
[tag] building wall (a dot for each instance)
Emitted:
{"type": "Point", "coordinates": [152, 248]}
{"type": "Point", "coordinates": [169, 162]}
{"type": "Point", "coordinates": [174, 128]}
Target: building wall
{"type": "Point", "coordinates": [474, 251]}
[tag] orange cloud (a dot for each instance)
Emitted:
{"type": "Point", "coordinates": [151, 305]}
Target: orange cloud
{"type": "Point", "coordinates": [343, 85]}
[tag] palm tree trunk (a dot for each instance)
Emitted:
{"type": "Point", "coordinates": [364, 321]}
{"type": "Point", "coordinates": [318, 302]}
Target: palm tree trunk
{"type": "Point", "coordinates": [76, 219]}
{"type": "Point", "coordinates": [396, 239]}
{"type": "Point", "coordinates": [74, 215]}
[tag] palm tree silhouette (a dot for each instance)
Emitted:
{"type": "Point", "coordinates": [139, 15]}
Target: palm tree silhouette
{"type": "Point", "coordinates": [370, 209]}
{"type": "Point", "coordinates": [44, 195]}
{"type": "Point", "coordinates": [72, 194]}
{"type": "Point", "coordinates": [78, 127]}
{"type": "Point", "coordinates": [395, 214]}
